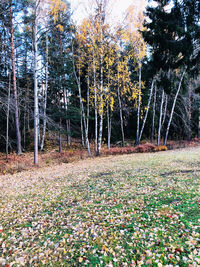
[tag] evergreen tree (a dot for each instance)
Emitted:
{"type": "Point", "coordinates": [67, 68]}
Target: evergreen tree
{"type": "Point", "coordinates": [171, 34]}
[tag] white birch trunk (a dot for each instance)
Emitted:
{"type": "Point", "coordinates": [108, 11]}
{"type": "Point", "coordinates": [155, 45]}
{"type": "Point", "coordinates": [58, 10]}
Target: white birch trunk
{"type": "Point", "coordinates": [154, 113]}
{"type": "Point", "coordinates": [60, 126]}
{"type": "Point", "coordinates": [137, 141]}
{"type": "Point", "coordinates": [68, 132]}
{"type": "Point", "coordinates": [45, 95]}
{"type": "Point", "coordinates": [199, 124]}
{"type": "Point", "coordinates": [88, 104]}
{"type": "Point", "coordinates": [147, 110]}
{"type": "Point", "coordinates": [165, 110]}
{"type": "Point", "coordinates": [95, 103]}
{"type": "Point", "coordinates": [36, 109]}
{"type": "Point", "coordinates": [82, 134]}
{"type": "Point", "coordinates": [160, 118]}
{"type": "Point", "coordinates": [83, 118]}
{"type": "Point", "coordinates": [101, 103]}
{"type": "Point", "coordinates": [60, 136]}
{"type": "Point", "coordinates": [120, 109]}
{"type": "Point", "coordinates": [173, 107]}
{"type": "Point", "coordinates": [108, 125]}
{"type": "Point", "coordinates": [68, 126]}
{"type": "Point", "coordinates": [189, 110]}
{"type": "Point", "coordinates": [84, 126]}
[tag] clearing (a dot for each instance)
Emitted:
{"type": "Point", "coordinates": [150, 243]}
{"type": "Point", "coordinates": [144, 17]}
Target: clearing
{"type": "Point", "coordinates": [127, 210]}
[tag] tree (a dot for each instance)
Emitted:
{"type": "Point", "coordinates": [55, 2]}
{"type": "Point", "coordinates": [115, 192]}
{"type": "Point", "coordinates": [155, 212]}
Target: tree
{"type": "Point", "coordinates": [168, 37]}
{"type": "Point", "coordinates": [137, 52]}
{"type": "Point", "coordinates": [60, 67]}
{"type": "Point", "coordinates": [18, 134]}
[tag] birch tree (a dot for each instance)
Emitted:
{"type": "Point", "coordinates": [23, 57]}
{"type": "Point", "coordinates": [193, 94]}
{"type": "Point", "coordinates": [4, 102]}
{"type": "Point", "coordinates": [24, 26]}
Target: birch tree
{"type": "Point", "coordinates": [134, 26]}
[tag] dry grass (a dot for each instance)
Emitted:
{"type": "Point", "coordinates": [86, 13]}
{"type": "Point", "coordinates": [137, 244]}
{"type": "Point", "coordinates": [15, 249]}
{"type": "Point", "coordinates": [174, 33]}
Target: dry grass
{"type": "Point", "coordinates": [75, 153]}
{"type": "Point", "coordinates": [125, 210]}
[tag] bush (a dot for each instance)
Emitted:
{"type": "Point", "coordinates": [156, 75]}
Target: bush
{"type": "Point", "coordinates": [130, 149]}
{"type": "Point", "coordinates": [160, 148]}
{"type": "Point", "coordinates": [145, 148]}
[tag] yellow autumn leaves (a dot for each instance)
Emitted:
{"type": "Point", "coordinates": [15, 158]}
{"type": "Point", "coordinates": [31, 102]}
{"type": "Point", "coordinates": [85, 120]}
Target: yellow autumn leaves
{"type": "Point", "coordinates": [94, 42]}
{"type": "Point", "coordinates": [56, 7]}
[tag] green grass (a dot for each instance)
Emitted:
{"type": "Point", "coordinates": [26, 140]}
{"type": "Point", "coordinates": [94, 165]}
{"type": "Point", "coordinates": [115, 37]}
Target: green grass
{"type": "Point", "coordinates": [140, 209]}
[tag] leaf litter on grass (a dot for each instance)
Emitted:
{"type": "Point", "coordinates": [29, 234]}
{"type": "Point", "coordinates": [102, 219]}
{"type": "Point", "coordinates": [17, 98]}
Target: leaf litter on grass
{"type": "Point", "coordinates": [129, 210]}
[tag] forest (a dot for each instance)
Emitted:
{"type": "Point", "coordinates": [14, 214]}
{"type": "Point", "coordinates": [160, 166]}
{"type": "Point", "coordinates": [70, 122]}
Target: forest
{"type": "Point", "coordinates": [95, 83]}
{"type": "Point", "coordinates": [78, 99]}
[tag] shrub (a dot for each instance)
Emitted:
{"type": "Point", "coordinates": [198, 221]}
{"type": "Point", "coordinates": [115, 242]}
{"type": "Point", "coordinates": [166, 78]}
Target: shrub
{"type": "Point", "coordinates": [160, 148]}
{"type": "Point", "coordinates": [130, 149]}
{"type": "Point", "coordinates": [145, 148]}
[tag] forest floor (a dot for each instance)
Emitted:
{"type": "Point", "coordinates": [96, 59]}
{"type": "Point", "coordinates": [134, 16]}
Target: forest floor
{"type": "Point", "coordinates": [124, 210]}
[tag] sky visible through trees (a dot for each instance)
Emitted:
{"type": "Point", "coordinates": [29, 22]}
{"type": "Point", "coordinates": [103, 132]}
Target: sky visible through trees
{"type": "Point", "coordinates": [116, 10]}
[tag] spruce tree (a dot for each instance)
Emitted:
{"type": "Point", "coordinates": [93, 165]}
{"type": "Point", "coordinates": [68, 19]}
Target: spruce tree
{"type": "Point", "coordinates": [172, 34]}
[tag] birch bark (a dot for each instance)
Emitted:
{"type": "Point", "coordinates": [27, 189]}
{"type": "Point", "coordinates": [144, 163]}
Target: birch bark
{"type": "Point", "coordinates": [137, 141]}
{"type": "Point", "coordinates": [45, 95]}
{"type": "Point", "coordinates": [147, 110]}
{"type": "Point", "coordinates": [173, 107]}
{"type": "Point", "coordinates": [36, 109]}
{"type": "Point", "coordinates": [160, 118]}
{"type": "Point", "coordinates": [154, 113]}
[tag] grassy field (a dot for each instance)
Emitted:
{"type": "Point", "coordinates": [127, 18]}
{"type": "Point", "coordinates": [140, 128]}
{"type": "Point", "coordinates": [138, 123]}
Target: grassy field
{"type": "Point", "coordinates": [127, 210]}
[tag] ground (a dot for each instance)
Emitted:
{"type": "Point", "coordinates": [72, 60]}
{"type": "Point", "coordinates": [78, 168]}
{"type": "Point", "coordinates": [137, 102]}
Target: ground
{"type": "Point", "coordinates": [125, 210]}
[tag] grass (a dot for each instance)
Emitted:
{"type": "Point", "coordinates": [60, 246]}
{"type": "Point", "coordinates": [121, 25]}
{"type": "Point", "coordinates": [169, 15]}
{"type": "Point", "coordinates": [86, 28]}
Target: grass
{"type": "Point", "coordinates": [127, 210]}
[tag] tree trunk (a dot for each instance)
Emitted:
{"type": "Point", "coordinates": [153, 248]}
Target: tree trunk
{"type": "Point", "coordinates": [83, 119]}
{"type": "Point", "coordinates": [147, 110]}
{"type": "Point", "coordinates": [26, 93]}
{"type": "Point", "coordinates": [84, 126]}
{"type": "Point", "coordinates": [25, 128]}
{"type": "Point", "coordinates": [82, 134]}
{"type": "Point", "coordinates": [165, 111]}
{"type": "Point", "coordinates": [173, 106]}
{"type": "Point", "coordinates": [60, 125]}
{"type": "Point", "coordinates": [121, 117]}
{"type": "Point", "coordinates": [108, 125]}
{"type": "Point", "coordinates": [45, 95]}
{"type": "Point", "coordinates": [28, 109]}
{"type": "Point", "coordinates": [120, 109]}
{"type": "Point", "coordinates": [7, 118]}
{"type": "Point", "coordinates": [68, 133]}
{"type": "Point", "coordinates": [137, 141]}
{"type": "Point", "coordinates": [88, 105]}
{"type": "Point", "coordinates": [68, 126]}
{"type": "Point", "coordinates": [19, 149]}
{"type": "Point", "coordinates": [101, 102]}
{"type": "Point", "coordinates": [160, 118]}
{"type": "Point", "coordinates": [39, 137]}
{"type": "Point", "coordinates": [199, 124]}
{"type": "Point", "coordinates": [154, 113]}
{"type": "Point", "coordinates": [36, 109]}
{"type": "Point", "coordinates": [100, 134]}
{"type": "Point", "coordinates": [60, 136]}
{"type": "Point", "coordinates": [95, 104]}
{"type": "Point", "coordinates": [189, 110]}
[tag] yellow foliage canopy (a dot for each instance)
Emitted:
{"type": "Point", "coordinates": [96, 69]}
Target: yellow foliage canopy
{"type": "Point", "coordinates": [57, 6]}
